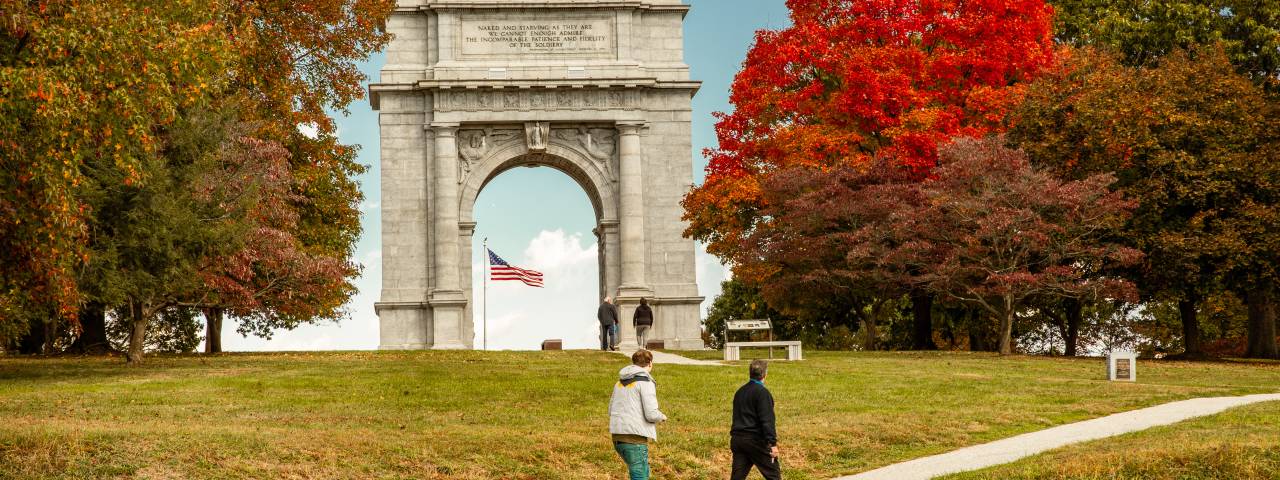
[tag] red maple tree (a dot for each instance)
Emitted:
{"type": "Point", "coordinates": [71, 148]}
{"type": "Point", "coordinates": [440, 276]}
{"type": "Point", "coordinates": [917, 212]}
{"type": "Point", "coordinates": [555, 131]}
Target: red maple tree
{"type": "Point", "coordinates": [993, 232]}
{"type": "Point", "coordinates": [851, 80]}
{"type": "Point", "coordinates": [273, 280]}
{"type": "Point", "coordinates": [988, 231]}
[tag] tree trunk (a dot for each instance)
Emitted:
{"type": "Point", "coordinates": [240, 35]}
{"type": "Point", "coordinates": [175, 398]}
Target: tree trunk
{"type": "Point", "coordinates": [1075, 315]}
{"type": "Point", "coordinates": [922, 325]}
{"type": "Point", "coordinates": [869, 332]}
{"type": "Point", "coordinates": [137, 334]}
{"type": "Point", "coordinates": [977, 333]}
{"type": "Point", "coordinates": [93, 331]}
{"type": "Point", "coordinates": [33, 342]}
{"type": "Point", "coordinates": [1262, 322]}
{"type": "Point", "coordinates": [1190, 327]}
{"type": "Point", "coordinates": [213, 330]}
{"type": "Point", "coordinates": [1006, 333]}
{"type": "Point", "coordinates": [1006, 328]}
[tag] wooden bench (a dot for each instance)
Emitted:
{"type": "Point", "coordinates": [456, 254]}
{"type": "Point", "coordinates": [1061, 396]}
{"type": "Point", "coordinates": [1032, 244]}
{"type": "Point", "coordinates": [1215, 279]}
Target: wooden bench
{"type": "Point", "coordinates": [732, 350]}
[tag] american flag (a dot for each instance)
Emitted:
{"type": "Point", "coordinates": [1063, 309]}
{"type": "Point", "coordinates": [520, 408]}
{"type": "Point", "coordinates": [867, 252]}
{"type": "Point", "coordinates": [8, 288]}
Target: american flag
{"type": "Point", "coordinates": [500, 270]}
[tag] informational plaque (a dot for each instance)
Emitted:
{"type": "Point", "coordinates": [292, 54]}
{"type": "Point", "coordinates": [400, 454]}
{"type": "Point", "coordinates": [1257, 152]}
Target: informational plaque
{"type": "Point", "coordinates": [755, 324]}
{"type": "Point", "coordinates": [1122, 366]}
{"type": "Point", "coordinates": [550, 36]}
{"type": "Point", "coordinates": [1124, 369]}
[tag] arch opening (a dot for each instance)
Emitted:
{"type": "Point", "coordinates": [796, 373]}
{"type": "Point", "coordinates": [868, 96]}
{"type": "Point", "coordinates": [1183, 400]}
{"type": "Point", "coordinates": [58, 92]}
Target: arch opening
{"type": "Point", "coordinates": [546, 218]}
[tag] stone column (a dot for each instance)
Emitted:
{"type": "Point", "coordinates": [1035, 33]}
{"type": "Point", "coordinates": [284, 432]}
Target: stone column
{"type": "Point", "coordinates": [403, 313]}
{"type": "Point", "coordinates": [447, 300]}
{"type": "Point", "coordinates": [631, 227]}
{"type": "Point", "coordinates": [610, 264]}
{"type": "Point", "coordinates": [466, 234]}
{"type": "Point", "coordinates": [631, 205]}
{"type": "Point", "coordinates": [600, 260]}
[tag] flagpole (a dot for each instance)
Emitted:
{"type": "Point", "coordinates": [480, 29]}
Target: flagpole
{"type": "Point", "coordinates": [485, 315]}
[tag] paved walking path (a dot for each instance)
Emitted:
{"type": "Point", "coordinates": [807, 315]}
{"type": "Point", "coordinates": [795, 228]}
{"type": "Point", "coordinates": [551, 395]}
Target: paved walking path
{"type": "Point", "coordinates": [671, 358]}
{"type": "Point", "coordinates": [1014, 448]}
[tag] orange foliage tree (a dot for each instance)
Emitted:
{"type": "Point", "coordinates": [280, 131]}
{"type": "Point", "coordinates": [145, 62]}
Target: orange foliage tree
{"type": "Point", "coordinates": [81, 83]}
{"type": "Point", "coordinates": [92, 93]}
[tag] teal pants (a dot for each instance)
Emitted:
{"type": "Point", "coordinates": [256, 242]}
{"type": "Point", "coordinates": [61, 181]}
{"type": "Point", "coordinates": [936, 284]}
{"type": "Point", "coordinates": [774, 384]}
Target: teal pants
{"type": "Point", "coordinates": [637, 458]}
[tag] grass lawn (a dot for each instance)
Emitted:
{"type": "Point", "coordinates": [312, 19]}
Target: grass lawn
{"type": "Point", "coordinates": [465, 414]}
{"type": "Point", "coordinates": [1239, 444]}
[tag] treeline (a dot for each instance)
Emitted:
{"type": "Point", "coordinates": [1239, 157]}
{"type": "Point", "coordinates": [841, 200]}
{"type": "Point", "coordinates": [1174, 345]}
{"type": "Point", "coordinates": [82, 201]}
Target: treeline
{"type": "Point", "coordinates": [164, 162]}
{"type": "Point", "coordinates": [1006, 176]}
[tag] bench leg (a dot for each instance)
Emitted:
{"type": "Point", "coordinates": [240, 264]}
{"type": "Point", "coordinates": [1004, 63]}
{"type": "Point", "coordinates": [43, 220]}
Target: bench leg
{"type": "Point", "coordinates": [730, 353]}
{"type": "Point", "coordinates": [793, 352]}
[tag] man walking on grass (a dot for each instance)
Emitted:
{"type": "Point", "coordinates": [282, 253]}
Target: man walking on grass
{"type": "Point", "coordinates": [634, 414]}
{"type": "Point", "coordinates": [753, 438]}
{"type": "Point", "coordinates": [607, 314]}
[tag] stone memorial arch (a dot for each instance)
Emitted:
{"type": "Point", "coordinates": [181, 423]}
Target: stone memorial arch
{"type": "Point", "coordinates": [597, 89]}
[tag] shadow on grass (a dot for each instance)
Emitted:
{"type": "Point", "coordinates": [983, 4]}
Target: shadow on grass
{"type": "Point", "coordinates": [52, 369]}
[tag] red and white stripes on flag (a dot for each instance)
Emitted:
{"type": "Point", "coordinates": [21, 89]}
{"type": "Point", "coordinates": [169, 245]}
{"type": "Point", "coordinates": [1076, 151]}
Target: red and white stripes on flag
{"type": "Point", "coordinates": [500, 270]}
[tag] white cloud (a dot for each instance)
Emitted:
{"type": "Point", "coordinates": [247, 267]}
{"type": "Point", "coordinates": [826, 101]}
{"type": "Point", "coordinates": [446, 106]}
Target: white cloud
{"type": "Point", "coordinates": [309, 129]}
{"type": "Point", "coordinates": [710, 274]}
{"type": "Point", "coordinates": [369, 260]}
{"type": "Point", "coordinates": [367, 206]}
{"type": "Point", "coordinates": [555, 250]}
{"type": "Point", "coordinates": [521, 317]}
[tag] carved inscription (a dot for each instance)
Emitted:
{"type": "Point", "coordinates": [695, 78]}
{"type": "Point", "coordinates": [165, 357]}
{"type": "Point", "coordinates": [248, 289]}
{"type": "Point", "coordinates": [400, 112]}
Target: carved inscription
{"type": "Point", "coordinates": [1124, 369]}
{"type": "Point", "coordinates": [481, 36]}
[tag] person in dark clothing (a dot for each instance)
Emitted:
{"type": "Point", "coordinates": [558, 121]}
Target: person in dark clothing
{"type": "Point", "coordinates": [643, 321]}
{"type": "Point", "coordinates": [607, 314]}
{"type": "Point", "coordinates": [754, 438]}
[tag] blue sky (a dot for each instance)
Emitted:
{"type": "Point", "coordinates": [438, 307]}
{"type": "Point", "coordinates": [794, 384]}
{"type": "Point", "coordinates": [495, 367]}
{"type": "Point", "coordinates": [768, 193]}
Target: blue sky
{"type": "Point", "coordinates": [552, 234]}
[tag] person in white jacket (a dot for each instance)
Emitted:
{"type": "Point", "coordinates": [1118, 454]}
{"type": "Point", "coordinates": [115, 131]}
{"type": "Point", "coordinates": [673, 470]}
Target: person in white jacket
{"type": "Point", "coordinates": [634, 414]}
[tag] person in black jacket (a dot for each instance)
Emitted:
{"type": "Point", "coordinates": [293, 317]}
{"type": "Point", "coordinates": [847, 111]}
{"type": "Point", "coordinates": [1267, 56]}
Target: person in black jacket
{"type": "Point", "coordinates": [754, 438]}
{"type": "Point", "coordinates": [607, 314]}
{"type": "Point", "coordinates": [643, 321]}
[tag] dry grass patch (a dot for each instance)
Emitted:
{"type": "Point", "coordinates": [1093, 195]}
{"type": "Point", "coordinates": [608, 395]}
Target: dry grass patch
{"type": "Point", "coordinates": [535, 415]}
{"type": "Point", "coordinates": [1239, 444]}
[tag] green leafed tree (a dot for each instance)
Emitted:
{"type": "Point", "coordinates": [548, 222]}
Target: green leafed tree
{"type": "Point", "coordinates": [86, 85]}
{"type": "Point", "coordinates": [1191, 141]}
{"type": "Point", "coordinates": [1143, 31]}
{"type": "Point", "coordinates": [149, 239]}
{"type": "Point", "coordinates": [828, 328]}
